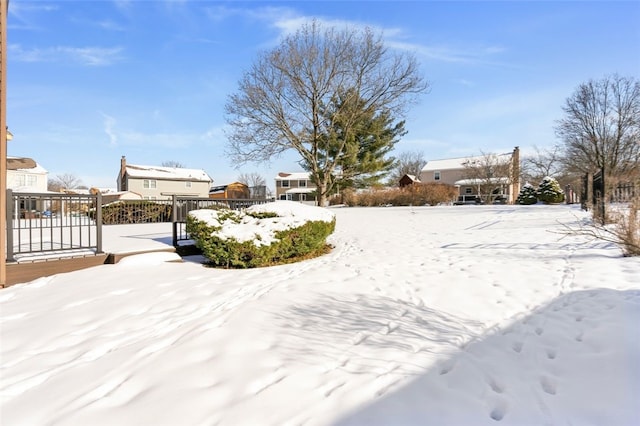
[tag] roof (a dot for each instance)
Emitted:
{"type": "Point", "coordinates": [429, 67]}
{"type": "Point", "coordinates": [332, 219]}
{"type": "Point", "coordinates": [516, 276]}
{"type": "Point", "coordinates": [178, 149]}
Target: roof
{"type": "Point", "coordinates": [300, 190]}
{"type": "Point", "coordinates": [24, 164]}
{"type": "Point", "coordinates": [411, 177]}
{"type": "Point", "coordinates": [293, 176]}
{"type": "Point", "coordinates": [452, 163]}
{"type": "Point", "coordinates": [167, 173]}
{"type": "Point", "coordinates": [494, 181]}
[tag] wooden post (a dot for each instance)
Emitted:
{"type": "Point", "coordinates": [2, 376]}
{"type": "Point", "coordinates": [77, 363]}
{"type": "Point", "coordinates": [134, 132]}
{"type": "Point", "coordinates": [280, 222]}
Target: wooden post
{"type": "Point", "coordinates": [4, 8]}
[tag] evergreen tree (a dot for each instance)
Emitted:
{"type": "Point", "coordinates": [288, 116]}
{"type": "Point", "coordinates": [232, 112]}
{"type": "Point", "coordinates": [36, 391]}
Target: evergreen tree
{"type": "Point", "coordinates": [549, 191]}
{"type": "Point", "coordinates": [528, 195]}
{"type": "Point", "coordinates": [359, 143]}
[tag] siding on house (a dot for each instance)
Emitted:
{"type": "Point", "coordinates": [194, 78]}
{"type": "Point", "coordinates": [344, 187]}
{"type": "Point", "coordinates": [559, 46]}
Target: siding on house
{"type": "Point", "coordinates": [295, 187]}
{"type": "Point", "coordinates": [26, 175]}
{"type": "Point", "coordinates": [452, 171]}
{"type": "Point", "coordinates": [161, 183]}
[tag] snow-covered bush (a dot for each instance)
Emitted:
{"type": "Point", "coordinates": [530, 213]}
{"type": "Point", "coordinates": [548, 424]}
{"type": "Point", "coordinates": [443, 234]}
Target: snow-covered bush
{"type": "Point", "coordinates": [528, 195]}
{"type": "Point", "coordinates": [549, 191]}
{"type": "Point", "coordinates": [261, 235]}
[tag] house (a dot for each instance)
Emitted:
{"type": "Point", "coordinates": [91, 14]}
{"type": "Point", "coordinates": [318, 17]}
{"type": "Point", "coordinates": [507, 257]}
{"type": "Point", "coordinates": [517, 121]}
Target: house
{"type": "Point", "coordinates": [407, 180]}
{"type": "Point", "coordinates": [235, 190]}
{"type": "Point", "coordinates": [295, 187]}
{"type": "Point", "coordinates": [161, 183]}
{"type": "Point", "coordinates": [503, 185]}
{"type": "Point", "coordinates": [26, 175]}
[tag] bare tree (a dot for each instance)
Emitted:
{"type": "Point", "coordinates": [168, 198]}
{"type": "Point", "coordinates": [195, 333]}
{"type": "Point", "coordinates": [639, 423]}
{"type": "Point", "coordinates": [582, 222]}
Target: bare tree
{"type": "Point", "coordinates": [256, 183]}
{"type": "Point", "coordinates": [407, 163]}
{"type": "Point", "coordinates": [173, 163]}
{"type": "Point", "coordinates": [489, 173]}
{"type": "Point", "coordinates": [64, 181]}
{"type": "Point", "coordinates": [545, 162]}
{"type": "Point", "coordinates": [601, 127]}
{"type": "Point", "coordinates": [283, 100]}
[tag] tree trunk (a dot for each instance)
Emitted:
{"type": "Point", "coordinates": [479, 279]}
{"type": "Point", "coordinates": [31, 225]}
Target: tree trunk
{"type": "Point", "coordinates": [322, 195]}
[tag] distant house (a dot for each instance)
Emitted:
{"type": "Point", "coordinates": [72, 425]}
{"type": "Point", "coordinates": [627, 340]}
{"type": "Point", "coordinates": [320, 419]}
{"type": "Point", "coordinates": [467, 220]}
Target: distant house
{"type": "Point", "coordinates": [455, 171]}
{"type": "Point", "coordinates": [161, 183]}
{"type": "Point", "coordinates": [295, 187]}
{"type": "Point", "coordinates": [25, 175]}
{"type": "Point", "coordinates": [235, 190]}
{"type": "Point", "coordinates": [407, 180]}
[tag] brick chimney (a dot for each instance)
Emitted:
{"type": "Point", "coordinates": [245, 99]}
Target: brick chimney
{"type": "Point", "coordinates": [122, 181]}
{"type": "Point", "coordinates": [515, 170]}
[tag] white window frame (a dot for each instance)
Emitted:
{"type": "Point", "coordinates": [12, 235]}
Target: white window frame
{"type": "Point", "coordinates": [468, 190]}
{"type": "Point", "coordinates": [285, 184]}
{"type": "Point", "coordinates": [302, 183]}
{"type": "Point", "coordinates": [149, 184]}
{"type": "Point", "coordinates": [289, 197]}
{"type": "Point", "coordinates": [303, 197]}
{"type": "Point", "coordinates": [187, 184]}
{"type": "Point", "coordinates": [437, 175]}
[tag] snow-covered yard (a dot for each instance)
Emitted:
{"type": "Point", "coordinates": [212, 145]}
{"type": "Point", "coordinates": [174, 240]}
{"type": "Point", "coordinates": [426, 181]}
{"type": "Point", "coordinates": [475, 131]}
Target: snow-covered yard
{"type": "Point", "coordinates": [465, 315]}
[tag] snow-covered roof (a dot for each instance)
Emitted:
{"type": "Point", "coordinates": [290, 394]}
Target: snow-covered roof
{"type": "Point", "coordinates": [300, 190]}
{"type": "Point", "coordinates": [452, 163]}
{"type": "Point", "coordinates": [18, 161]}
{"type": "Point", "coordinates": [167, 173]}
{"type": "Point", "coordinates": [495, 181]}
{"type": "Point", "coordinates": [447, 164]}
{"type": "Point", "coordinates": [412, 177]}
{"type": "Point", "coordinates": [293, 176]}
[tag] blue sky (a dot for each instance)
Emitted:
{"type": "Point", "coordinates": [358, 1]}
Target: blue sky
{"type": "Point", "coordinates": [91, 81]}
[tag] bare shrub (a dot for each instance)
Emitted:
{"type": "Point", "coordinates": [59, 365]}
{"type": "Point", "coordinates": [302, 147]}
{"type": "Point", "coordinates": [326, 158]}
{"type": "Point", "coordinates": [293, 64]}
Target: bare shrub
{"type": "Point", "coordinates": [621, 228]}
{"type": "Point", "coordinates": [412, 195]}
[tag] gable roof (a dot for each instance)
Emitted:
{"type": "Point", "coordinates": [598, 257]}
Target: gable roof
{"type": "Point", "coordinates": [24, 164]}
{"type": "Point", "coordinates": [167, 173]}
{"type": "Point", "coordinates": [453, 163]}
{"type": "Point", "coordinates": [447, 164]}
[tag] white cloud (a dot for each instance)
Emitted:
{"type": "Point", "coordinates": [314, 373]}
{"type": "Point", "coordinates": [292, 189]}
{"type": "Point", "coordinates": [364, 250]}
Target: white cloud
{"type": "Point", "coordinates": [109, 125]}
{"type": "Point", "coordinates": [91, 56]}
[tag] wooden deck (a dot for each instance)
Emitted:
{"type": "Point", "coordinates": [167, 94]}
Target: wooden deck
{"type": "Point", "coordinates": [22, 272]}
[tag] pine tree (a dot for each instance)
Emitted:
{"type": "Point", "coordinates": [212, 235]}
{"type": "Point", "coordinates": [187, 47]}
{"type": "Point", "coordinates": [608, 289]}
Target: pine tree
{"type": "Point", "coordinates": [549, 191]}
{"type": "Point", "coordinates": [528, 195]}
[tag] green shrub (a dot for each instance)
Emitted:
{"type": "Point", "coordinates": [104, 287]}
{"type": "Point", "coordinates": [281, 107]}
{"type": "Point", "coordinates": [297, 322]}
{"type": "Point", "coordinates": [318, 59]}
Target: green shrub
{"type": "Point", "coordinates": [549, 191]}
{"type": "Point", "coordinates": [217, 237]}
{"type": "Point", "coordinates": [528, 195]}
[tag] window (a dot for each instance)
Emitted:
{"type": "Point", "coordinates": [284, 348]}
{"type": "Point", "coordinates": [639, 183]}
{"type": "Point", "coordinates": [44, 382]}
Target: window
{"type": "Point", "coordinates": [289, 197]}
{"type": "Point", "coordinates": [302, 183]}
{"type": "Point", "coordinates": [149, 184]}
{"type": "Point", "coordinates": [436, 175]}
{"type": "Point", "coordinates": [303, 197]}
{"type": "Point", "coordinates": [188, 184]}
{"type": "Point", "coordinates": [32, 180]}
{"type": "Point", "coordinates": [284, 184]}
{"type": "Point", "coordinates": [468, 190]}
{"type": "Point", "coordinates": [283, 196]}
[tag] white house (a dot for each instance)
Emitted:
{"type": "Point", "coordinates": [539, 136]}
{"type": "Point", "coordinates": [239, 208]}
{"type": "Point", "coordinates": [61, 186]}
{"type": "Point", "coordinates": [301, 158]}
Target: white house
{"type": "Point", "coordinates": [158, 183]}
{"type": "Point", "coordinates": [26, 175]}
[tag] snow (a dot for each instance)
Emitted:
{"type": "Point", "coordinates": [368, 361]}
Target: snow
{"type": "Point", "coordinates": [243, 227]}
{"type": "Point", "coordinates": [452, 315]}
